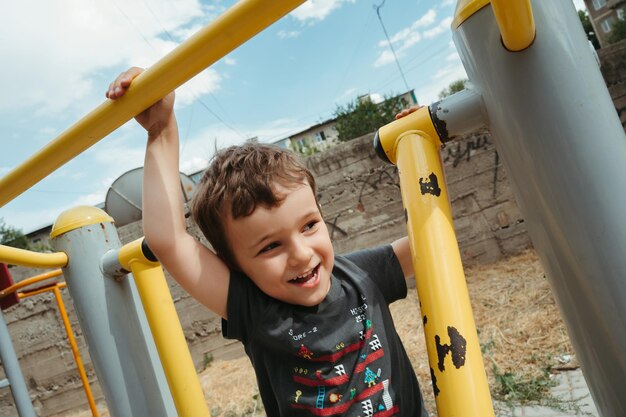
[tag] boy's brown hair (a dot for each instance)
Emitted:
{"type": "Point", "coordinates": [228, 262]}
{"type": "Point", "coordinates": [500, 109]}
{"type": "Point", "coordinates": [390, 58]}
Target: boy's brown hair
{"type": "Point", "coordinates": [239, 179]}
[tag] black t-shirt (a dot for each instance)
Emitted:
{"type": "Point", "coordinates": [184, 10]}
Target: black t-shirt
{"type": "Point", "coordinates": [341, 357]}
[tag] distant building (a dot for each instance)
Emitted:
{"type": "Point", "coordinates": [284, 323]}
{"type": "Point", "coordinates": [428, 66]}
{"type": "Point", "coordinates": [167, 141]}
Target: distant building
{"type": "Point", "coordinates": [324, 134]}
{"type": "Point", "coordinates": [603, 14]}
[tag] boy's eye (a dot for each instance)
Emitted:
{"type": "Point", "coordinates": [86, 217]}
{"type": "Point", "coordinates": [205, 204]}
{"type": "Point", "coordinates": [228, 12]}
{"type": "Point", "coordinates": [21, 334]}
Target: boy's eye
{"type": "Point", "coordinates": [269, 247]}
{"type": "Point", "coordinates": [310, 225]}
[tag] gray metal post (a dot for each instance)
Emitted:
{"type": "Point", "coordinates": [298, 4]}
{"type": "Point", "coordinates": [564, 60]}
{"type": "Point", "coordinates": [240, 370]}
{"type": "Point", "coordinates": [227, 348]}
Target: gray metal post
{"type": "Point", "coordinates": [14, 373]}
{"type": "Point", "coordinates": [112, 319]}
{"type": "Point", "coordinates": [557, 131]}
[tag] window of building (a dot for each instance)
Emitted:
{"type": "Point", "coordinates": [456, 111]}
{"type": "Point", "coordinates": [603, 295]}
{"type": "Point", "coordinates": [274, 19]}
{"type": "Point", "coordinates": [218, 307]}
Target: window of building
{"type": "Point", "coordinates": [607, 24]}
{"type": "Point", "coordinates": [320, 136]}
{"type": "Point", "coordinates": [598, 4]}
{"type": "Point", "coordinates": [620, 14]}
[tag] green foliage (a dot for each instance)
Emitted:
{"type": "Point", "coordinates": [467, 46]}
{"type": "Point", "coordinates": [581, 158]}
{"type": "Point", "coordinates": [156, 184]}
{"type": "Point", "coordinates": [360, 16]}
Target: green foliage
{"type": "Point", "coordinates": [510, 387]}
{"type": "Point", "coordinates": [304, 149]}
{"type": "Point", "coordinates": [11, 236]}
{"type": "Point", "coordinates": [618, 31]}
{"type": "Point", "coordinates": [588, 28]}
{"type": "Point", "coordinates": [361, 117]}
{"type": "Point", "coordinates": [454, 87]}
{"type": "Point", "coordinates": [207, 359]}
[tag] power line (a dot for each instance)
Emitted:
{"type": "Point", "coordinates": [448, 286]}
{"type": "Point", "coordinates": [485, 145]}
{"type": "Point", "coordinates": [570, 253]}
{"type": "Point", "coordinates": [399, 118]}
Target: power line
{"type": "Point", "coordinates": [171, 38]}
{"type": "Point", "coordinates": [395, 57]}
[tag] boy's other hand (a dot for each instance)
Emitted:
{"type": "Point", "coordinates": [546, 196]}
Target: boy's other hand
{"type": "Point", "coordinates": [407, 111]}
{"type": "Point", "coordinates": [156, 117]}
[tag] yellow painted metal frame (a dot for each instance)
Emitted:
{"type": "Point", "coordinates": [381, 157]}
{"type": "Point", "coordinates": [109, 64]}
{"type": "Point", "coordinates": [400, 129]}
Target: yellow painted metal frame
{"type": "Point", "coordinates": [56, 287]}
{"type": "Point", "coordinates": [237, 25]}
{"type": "Point", "coordinates": [514, 18]}
{"type": "Point", "coordinates": [166, 330]}
{"type": "Point", "coordinates": [15, 256]}
{"type": "Point", "coordinates": [516, 22]}
{"type": "Point", "coordinates": [461, 388]}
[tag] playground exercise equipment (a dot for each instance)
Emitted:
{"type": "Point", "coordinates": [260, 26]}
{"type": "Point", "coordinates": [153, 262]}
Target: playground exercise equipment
{"type": "Point", "coordinates": [535, 84]}
{"type": "Point", "coordinates": [55, 287]}
{"type": "Point", "coordinates": [557, 133]}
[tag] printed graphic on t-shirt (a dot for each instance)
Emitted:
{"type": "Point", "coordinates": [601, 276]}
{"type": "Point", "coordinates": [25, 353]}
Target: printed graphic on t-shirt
{"type": "Point", "coordinates": [351, 380]}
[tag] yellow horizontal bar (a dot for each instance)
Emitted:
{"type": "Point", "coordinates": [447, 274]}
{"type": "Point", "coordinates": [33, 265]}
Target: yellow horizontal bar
{"type": "Point", "coordinates": [29, 281]}
{"type": "Point", "coordinates": [32, 259]}
{"type": "Point", "coordinates": [27, 293]}
{"type": "Point", "coordinates": [516, 23]}
{"type": "Point", "coordinates": [237, 25]}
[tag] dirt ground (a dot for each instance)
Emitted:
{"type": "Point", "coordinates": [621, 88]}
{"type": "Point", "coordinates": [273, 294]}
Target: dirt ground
{"type": "Point", "coordinates": [519, 327]}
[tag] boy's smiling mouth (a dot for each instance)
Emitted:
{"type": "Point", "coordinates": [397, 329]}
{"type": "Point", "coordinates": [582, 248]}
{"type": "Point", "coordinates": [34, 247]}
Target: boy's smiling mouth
{"type": "Point", "coordinates": [307, 280]}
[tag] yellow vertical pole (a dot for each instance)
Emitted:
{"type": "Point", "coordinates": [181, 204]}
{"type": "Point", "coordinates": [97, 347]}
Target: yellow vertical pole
{"type": "Point", "coordinates": [459, 378]}
{"type": "Point", "coordinates": [166, 330]}
{"type": "Point", "coordinates": [75, 352]}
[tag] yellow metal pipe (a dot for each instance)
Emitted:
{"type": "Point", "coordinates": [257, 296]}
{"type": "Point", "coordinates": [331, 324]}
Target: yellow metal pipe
{"type": "Point", "coordinates": [29, 281]}
{"type": "Point", "coordinates": [15, 256]}
{"type": "Point", "coordinates": [237, 25]}
{"type": "Point", "coordinates": [166, 331]}
{"type": "Point", "coordinates": [459, 378]}
{"type": "Point", "coordinates": [516, 22]}
{"type": "Point", "coordinates": [56, 288]}
{"type": "Point", "coordinates": [31, 293]}
{"type": "Point", "coordinates": [75, 352]}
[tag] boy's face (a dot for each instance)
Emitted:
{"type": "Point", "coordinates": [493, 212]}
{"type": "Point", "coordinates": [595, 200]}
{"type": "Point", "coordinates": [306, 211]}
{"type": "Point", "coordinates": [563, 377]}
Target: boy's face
{"type": "Point", "coordinates": [285, 250]}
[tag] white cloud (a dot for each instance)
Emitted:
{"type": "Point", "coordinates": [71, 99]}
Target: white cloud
{"type": "Point", "coordinates": [445, 3]}
{"type": "Point", "coordinates": [406, 38]}
{"type": "Point", "coordinates": [426, 20]}
{"type": "Point", "coordinates": [284, 34]}
{"type": "Point", "coordinates": [64, 44]}
{"type": "Point", "coordinates": [454, 56]}
{"type": "Point", "coordinates": [384, 58]}
{"type": "Point", "coordinates": [315, 10]}
{"type": "Point", "coordinates": [440, 80]}
{"type": "Point", "coordinates": [443, 26]}
{"type": "Point", "coordinates": [205, 82]}
{"type": "Point", "coordinates": [230, 61]}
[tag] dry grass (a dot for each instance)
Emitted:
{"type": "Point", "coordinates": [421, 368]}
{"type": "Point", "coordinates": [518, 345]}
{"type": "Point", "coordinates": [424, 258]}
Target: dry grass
{"type": "Point", "coordinates": [518, 323]}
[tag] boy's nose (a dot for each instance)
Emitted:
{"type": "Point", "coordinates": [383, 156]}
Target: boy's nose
{"type": "Point", "coordinates": [300, 253]}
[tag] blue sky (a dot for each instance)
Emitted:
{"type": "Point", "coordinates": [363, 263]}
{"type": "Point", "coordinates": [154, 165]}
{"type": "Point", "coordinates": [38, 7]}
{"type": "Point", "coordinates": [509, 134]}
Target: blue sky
{"type": "Point", "coordinates": [58, 57]}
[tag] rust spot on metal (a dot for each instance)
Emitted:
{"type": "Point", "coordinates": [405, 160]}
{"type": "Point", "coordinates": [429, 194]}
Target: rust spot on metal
{"type": "Point", "coordinates": [457, 348]}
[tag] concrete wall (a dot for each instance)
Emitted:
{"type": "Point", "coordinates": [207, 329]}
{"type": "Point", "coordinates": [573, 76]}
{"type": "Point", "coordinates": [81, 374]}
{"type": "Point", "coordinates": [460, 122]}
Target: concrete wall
{"type": "Point", "coordinates": [361, 201]}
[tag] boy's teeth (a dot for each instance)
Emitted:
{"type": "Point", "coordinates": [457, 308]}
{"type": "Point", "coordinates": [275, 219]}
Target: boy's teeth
{"type": "Point", "coordinates": [304, 277]}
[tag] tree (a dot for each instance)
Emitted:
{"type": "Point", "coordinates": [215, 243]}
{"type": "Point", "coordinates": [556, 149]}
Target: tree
{"type": "Point", "coordinates": [618, 31]}
{"type": "Point", "coordinates": [454, 87]}
{"type": "Point", "coordinates": [360, 117]}
{"type": "Point", "coordinates": [11, 236]}
{"type": "Point", "coordinates": [588, 28]}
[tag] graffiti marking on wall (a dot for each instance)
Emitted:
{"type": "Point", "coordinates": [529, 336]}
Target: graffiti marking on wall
{"type": "Point", "coordinates": [464, 150]}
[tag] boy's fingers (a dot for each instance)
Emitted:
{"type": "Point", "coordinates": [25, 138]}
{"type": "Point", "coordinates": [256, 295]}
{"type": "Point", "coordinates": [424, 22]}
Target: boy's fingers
{"type": "Point", "coordinates": [119, 86]}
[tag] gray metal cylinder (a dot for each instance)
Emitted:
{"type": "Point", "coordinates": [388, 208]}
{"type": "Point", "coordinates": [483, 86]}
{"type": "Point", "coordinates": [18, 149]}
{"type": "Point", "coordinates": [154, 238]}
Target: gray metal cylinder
{"type": "Point", "coordinates": [557, 131]}
{"type": "Point", "coordinates": [14, 373]}
{"type": "Point", "coordinates": [113, 321]}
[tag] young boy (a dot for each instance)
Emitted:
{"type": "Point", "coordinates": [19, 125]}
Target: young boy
{"type": "Point", "coordinates": [315, 325]}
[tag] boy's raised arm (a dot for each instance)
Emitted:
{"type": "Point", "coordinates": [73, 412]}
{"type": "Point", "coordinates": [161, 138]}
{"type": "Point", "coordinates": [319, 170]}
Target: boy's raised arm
{"type": "Point", "coordinates": [198, 270]}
